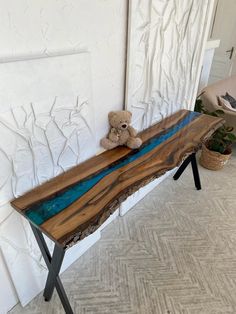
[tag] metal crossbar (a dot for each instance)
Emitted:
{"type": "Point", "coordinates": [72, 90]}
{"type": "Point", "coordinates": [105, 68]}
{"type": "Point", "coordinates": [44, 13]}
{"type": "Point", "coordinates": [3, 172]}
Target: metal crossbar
{"type": "Point", "coordinates": [191, 159]}
{"type": "Point", "coordinates": [53, 263]}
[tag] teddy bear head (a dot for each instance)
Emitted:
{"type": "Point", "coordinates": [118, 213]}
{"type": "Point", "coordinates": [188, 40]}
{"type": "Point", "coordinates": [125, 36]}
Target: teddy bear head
{"type": "Point", "coordinates": [120, 119]}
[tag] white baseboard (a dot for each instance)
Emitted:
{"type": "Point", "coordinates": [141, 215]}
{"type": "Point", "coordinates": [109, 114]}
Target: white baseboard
{"type": "Point", "coordinates": [8, 296]}
{"type": "Point", "coordinates": [79, 249]}
{"type": "Point", "coordinates": [110, 219]}
{"type": "Point", "coordinates": [141, 193]}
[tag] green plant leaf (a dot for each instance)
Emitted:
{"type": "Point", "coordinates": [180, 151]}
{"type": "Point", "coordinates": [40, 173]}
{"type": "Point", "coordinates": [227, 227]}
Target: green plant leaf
{"type": "Point", "coordinates": [199, 106]}
{"type": "Point", "coordinates": [231, 137]}
{"type": "Point", "coordinates": [222, 138]}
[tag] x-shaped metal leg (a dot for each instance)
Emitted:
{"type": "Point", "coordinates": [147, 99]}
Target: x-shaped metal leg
{"type": "Point", "coordinates": [191, 159]}
{"type": "Point", "coordinates": [53, 263]}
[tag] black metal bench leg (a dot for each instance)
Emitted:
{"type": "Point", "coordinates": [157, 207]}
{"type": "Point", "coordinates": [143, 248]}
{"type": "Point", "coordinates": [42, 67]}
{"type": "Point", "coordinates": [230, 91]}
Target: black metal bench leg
{"type": "Point", "coordinates": [56, 262]}
{"type": "Point", "coordinates": [182, 167]}
{"type": "Point", "coordinates": [196, 176]}
{"type": "Point", "coordinates": [53, 263]}
{"type": "Point", "coordinates": [190, 159]}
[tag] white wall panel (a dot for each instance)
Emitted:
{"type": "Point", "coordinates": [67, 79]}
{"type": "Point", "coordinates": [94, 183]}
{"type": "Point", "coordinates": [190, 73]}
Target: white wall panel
{"type": "Point", "coordinates": [48, 127]}
{"type": "Point", "coordinates": [165, 51]}
{"type": "Point", "coordinates": [46, 121]}
{"type": "Point", "coordinates": [8, 296]}
{"type": "Point", "coordinates": [45, 28]}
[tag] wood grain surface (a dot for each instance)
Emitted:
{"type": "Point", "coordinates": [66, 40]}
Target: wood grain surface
{"type": "Point", "coordinates": [122, 172]}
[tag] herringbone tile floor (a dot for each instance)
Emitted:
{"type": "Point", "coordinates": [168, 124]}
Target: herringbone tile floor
{"type": "Point", "coordinates": [175, 252]}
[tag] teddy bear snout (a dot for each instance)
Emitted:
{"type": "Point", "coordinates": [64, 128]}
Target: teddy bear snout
{"type": "Point", "coordinates": [124, 126]}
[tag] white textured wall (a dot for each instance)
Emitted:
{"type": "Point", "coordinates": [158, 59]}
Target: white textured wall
{"type": "Point", "coordinates": [161, 69]}
{"type": "Point", "coordinates": [37, 28]}
{"type": "Point", "coordinates": [211, 46]}
{"type": "Point", "coordinates": [8, 297]}
{"type": "Point", "coordinates": [43, 27]}
{"type": "Point", "coordinates": [165, 51]}
{"type": "Point", "coordinates": [46, 120]}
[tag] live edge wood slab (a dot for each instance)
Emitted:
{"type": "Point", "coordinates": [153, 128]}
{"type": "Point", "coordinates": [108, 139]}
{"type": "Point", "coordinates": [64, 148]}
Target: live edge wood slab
{"type": "Point", "coordinates": [74, 204]}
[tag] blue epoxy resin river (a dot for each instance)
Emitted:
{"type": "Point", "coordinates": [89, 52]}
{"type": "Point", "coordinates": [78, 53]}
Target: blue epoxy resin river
{"type": "Point", "coordinates": [49, 208]}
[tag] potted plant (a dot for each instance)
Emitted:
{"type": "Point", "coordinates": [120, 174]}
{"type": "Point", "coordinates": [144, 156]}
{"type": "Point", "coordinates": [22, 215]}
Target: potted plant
{"type": "Point", "coordinates": [218, 149]}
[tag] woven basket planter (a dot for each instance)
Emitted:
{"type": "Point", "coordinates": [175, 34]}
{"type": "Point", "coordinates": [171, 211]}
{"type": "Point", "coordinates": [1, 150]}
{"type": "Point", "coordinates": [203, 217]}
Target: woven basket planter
{"type": "Point", "coordinates": [213, 160]}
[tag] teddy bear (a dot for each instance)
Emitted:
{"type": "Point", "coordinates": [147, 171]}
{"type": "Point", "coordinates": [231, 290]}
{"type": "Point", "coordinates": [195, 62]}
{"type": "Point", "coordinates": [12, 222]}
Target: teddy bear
{"type": "Point", "coordinates": [121, 132]}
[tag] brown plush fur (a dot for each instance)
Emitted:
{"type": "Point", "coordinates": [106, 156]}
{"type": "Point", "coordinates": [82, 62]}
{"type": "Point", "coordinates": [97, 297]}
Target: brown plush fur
{"type": "Point", "coordinates": [121, 132]}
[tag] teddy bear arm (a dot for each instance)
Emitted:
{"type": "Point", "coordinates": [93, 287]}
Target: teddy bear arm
{"type": "Point", "coordinates": [132, 131]}
{"type": "Point", "coordinates": [113, 137]}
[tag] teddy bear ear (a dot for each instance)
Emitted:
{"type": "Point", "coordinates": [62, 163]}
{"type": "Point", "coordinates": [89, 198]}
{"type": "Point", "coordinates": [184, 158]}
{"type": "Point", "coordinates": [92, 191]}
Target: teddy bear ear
{"type": "Point", "coordinates": [111, 114]}
{"type": "Point", "coordinates": [130, 113]}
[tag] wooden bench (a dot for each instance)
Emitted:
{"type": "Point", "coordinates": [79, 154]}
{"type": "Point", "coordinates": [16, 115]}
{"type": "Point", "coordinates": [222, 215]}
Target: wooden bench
{"type": "Point", "coordinates": [76, 203]}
